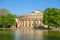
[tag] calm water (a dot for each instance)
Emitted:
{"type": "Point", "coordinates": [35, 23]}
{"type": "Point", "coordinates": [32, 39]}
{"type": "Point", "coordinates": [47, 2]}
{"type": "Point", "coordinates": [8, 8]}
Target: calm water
{"type": "Point", "coordinates": [24, 34]}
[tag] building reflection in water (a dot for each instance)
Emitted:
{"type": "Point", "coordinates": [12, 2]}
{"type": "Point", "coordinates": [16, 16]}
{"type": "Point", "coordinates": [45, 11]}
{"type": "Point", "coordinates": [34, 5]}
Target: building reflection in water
{"type": "Point", "coordinates": [26, 34]}
{"type": "Point", "coordinates": [17, 34]}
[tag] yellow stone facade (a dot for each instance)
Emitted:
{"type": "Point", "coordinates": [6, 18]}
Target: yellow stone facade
{"type": "Point", "coordinates": [29, 19]}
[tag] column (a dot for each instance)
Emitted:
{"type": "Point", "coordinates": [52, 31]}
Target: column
{"type": "Point", "coordinates": [24, 23]}
{"type": "Point", "coordinates": [30, 23]}
{"type": "Point", "coordinates": [38, 22]}
{"type": "Point", "coordinates": [18, 23]}
{"type": "Point", "coordinates": [27, 23]}
{"type": "Point", "coordinates": [21, 23]}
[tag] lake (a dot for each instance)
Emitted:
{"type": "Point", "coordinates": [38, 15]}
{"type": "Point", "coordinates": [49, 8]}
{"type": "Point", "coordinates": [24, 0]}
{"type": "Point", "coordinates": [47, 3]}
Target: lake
{"type": "Point", "coordinates": [29, 34]}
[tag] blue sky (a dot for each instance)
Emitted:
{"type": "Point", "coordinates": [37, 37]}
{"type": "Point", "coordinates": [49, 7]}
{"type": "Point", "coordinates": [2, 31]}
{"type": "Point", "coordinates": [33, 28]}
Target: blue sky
{"type": "Point", "coordinates": [20, 7]}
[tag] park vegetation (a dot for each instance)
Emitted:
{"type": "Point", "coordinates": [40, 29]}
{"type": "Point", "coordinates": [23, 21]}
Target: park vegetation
{"type": "Point", "coordinates": [6, 19]}
{"type": "Point", "coordinates": [52, 17]}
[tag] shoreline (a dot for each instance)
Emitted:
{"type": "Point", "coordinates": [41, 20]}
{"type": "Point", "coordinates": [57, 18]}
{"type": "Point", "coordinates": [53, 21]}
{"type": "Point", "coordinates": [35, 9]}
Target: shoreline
{"type": "Point", "coordinates": [55, 29]}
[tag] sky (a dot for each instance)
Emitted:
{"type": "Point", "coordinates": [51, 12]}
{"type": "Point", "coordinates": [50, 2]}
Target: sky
{"type": "Point", "coordinates": [20, 7]}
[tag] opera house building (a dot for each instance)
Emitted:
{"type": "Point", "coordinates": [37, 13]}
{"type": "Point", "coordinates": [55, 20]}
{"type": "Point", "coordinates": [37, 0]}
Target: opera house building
{"type": "Point", "coordinates": [30, 19]}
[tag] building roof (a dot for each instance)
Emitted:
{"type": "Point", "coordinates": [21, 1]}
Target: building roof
{"type": "Point", "coordinates": [33, 15]}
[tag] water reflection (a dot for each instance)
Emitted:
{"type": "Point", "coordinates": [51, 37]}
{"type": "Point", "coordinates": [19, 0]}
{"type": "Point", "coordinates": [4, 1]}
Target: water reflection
{"type": "Point", "coordinates": [28, 34]}
{"type": "Point", "coordinates": [6, 35]}
{"type": "Point", "coordinates": [52, 35]}
{"type": "Point", "coordinates": [17, 35]}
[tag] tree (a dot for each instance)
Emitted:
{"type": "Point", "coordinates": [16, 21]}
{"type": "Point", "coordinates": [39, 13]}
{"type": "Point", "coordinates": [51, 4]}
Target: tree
{"type": "Point", "coordinates": [6, 18]}
{"type": "Point", "coordinates": [11, 19]}
{"type": "Point", "coordinates": [52, 17]}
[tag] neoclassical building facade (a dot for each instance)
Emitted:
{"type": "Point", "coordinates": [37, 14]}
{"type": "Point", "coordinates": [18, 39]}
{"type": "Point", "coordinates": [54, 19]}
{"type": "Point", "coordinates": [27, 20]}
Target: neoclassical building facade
{"type": "Point", "coordinates": [30, 20]}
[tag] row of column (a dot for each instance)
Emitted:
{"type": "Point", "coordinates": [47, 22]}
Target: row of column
{"type": "Point", "coordinates": [29, 23]}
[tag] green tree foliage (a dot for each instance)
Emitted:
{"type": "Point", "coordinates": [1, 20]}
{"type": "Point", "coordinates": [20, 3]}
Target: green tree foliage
{"type": "Point", "coordinates": [6, 18]}
{"type": "Point", "coordinates": [52, 17]}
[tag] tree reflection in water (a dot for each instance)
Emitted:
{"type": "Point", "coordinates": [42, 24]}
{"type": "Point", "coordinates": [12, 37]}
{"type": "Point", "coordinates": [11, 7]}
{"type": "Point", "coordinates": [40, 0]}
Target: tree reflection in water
{"type": "Point", "coordinates": [6, 35]}
{"type": "Point", "coordinates": [29, 34]}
